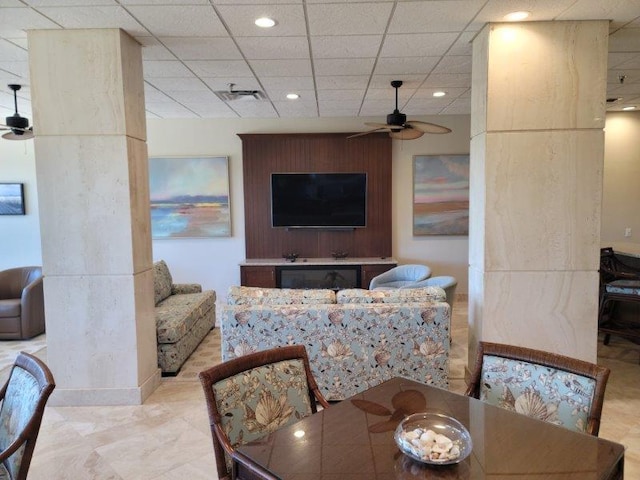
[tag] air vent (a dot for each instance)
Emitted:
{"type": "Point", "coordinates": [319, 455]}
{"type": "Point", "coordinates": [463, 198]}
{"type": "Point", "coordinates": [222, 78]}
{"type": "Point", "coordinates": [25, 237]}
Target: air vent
{"type": "Point", "coordinates": [240, 95]}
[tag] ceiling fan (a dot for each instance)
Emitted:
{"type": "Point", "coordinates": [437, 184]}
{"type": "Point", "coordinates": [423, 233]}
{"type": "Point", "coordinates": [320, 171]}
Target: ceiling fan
{"type": "Point", "coordinates": [398, 126]}
{"type": "Point", "coordinates": [18, 125]}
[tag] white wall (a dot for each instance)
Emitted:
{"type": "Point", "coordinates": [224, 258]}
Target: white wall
{"type": "Point", "coordinates": [20, 234]}
{"type": "Point", "coordinates": [621, 192]}
{"type": "Point", "coordinates": [214, 262]}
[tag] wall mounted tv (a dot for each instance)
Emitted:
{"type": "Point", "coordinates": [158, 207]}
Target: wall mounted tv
{"type": "Point", "coordinates": [319, 200]}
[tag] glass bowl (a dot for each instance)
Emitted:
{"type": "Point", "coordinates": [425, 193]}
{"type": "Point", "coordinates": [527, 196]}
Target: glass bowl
{"type": "Point", "coordinates": [433, 438]}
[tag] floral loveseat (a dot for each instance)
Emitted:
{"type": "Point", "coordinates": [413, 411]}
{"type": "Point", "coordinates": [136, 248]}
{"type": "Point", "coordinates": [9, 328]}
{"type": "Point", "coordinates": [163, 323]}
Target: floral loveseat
{"type": "Point", "coordinates": [355, 339]}
{"type": "Point", "coordinates": [184, 316]}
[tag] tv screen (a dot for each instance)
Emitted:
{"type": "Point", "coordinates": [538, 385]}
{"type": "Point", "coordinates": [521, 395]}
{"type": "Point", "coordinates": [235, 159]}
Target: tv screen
{"type": "Point", "coordinates": [319, 200]}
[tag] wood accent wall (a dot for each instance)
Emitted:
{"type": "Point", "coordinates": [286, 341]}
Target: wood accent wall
{"type": "Point", "coordinates": [264, 154]}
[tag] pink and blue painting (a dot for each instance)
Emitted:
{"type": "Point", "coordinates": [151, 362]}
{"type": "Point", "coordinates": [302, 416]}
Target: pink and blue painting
{"type": "Point", "coordinates": [441, 195]}
{"type": "Point", "coordinates": [189, 197]}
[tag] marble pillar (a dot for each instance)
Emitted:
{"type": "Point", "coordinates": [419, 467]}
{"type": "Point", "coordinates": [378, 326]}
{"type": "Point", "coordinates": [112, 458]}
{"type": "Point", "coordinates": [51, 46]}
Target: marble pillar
{"type": "Point", "coordinates": [537, 150]}
{"type": "Point", "coordinates": [93, 190]}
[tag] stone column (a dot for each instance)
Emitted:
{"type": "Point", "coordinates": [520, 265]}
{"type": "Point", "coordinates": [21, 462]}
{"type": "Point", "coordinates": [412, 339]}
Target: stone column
{"type": "Point", "coordinates": [537, 118]}
{"type": "Point", "coordinates": [92, 174]}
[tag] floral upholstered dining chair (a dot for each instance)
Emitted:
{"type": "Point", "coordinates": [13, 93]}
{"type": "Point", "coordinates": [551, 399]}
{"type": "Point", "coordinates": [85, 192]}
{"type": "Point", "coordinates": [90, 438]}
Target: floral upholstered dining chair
{"type": "Point", "coordinates": [550, 387]}
{"type": "Point", "coordinates": [253, 395]}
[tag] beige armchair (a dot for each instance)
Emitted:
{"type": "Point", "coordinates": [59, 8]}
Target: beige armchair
{"type": "Point", "coordinates": [21, 303]}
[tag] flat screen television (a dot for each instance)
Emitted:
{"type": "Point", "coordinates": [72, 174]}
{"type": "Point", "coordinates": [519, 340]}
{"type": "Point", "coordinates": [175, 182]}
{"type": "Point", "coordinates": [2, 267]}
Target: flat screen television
{"type": "Point", "coordinates": [319, 200]}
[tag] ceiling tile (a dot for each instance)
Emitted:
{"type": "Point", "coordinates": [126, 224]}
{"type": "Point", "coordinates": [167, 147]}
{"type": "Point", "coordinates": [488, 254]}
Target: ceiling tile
{"type": "Point", "coordinates": [463, 44]}
{"type": "Point", "coordinates": [276, 68]}
{"type": "Point", "coordinates": [344, 46]}
{"type": "Point", "coordinates": [10, 52]}
{"type": "Point", "coordinates": [68, 3]}
{"type": "Point", "coordinates": [405, 65]}
{"type": "Point", "coordinates": [616, 59]}
{"type": "Point", "coordinates": [296, 109]}
{"type": "Point", "coordinates": [409, 82]}
{"type": "Point", "coordinates": [454, 64]}
{"type": "Point", "coordinates": [173, 84]}
{"type": "Point", "coordinates": [220, 68]}
{"type": "Point", "coordinates": [442, 80]}
{"type": "Point", "coordinates": [343, 66]}
{"type": "Point", "coordinates": [451, 92]}
{"type": "Point", "coordinates": [417, 44]}
{"type": "Point", "coordinates": [253, 109]}
{"type": "Point", "coordinates": [387, 95]}
{"type": "Point", "coordinates": [165, 68]}
{"type": "Point", "coordinates": [170, 110]}
{"type": "Point", "coordinates": [20, 69]}
{"type": "Point", "coordinates": [190, 97]}
{"type": "Point", "coordinates": [14, 22]}
{"type": "Point", "coordinates": [153, 95]}
{"type": "Point", "coordinates": [339, 112]}
{"type": "Point", "coordinates": [625, 40]}
{"type": "Point", "coordinates": [273, 47]}
{"type": "Point", "coordinates": [341, 94]}
{"type": "Point", "coordinates": [434, 16]}
{"type": "Point", "coordinates": [633, 63]}
{"type": "Point", "coordinates": [95, 17]}
{"type": "Point", "coordinates": [425, 107]}
{"type": "Point", "coordinates": [286, 84]}
{"type": "Point", "coordinates": [160, 2]}
{"type": "Point", "coordinates": [240, 20]}
{"type": "Point", "coordinates": [280, 95]}
{"type": "Point", "coordinates": [338, 82]}
{"type": "Point", "coordinates": [354, 18]}
{"type": "Point", "coordinates": [495, 10]}
{"type": "Point", "coordinates": [202, 48]}
{"type": "Point", "coordinates": [180, 21]}
{"type": "Point", "coordinates": [207, 110]}
{"type": "Point", "coordinates": [250, 2]}
{"type": "Point", "coordinates": [460, 106]}
{"type": "Point", "coordinates": [152, 49]}
{"type": "Point", "coordinates": [616, 11]}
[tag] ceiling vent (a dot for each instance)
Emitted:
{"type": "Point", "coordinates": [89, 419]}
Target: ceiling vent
{"type": "Point", "coordinates": [231, 95]}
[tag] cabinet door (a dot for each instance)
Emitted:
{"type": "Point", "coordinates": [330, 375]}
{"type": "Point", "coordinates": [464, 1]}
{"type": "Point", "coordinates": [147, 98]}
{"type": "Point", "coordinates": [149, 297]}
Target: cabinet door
{"type": "Point", "coordinates": [258, 276]}
{"type": "Point", "coordinates": [370, 271]}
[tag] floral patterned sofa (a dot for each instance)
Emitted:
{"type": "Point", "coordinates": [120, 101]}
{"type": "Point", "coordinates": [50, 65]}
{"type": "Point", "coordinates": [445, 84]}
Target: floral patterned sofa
{"type": "Point", "coordinates": [355, 339]}
{"type": "Point", "coordinates": [184, 316]}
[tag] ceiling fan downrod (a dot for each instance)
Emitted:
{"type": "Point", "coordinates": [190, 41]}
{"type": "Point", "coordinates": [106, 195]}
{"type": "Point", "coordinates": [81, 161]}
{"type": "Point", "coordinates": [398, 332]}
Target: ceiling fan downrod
{"type": "Point", "coordinates": [396, 118]}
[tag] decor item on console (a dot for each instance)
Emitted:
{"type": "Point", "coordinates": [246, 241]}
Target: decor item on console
{"type": "Point", "coordinates": [291, 257]}
{"type": "Point", "coordinates": [189, 197]}
{"type": "Point", "coordinates": [339, 255]}
{"type": "Point", "coordinates": [355, 339]}
{"type": "Point", "coordinates": [398, 126]}
{"type": "Point", "coordinates": [184, 316]}
{"type": "Point", "coordinates": [441, 195]}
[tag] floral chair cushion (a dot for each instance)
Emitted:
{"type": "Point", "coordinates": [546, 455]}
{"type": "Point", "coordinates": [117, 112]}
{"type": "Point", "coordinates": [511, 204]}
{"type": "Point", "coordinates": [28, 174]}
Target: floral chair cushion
{"type": "Point", "coordinates": [396, 295]}
{"type": "Point", "coordinates": [18, 407]}
{"type": "Point", "coordinates": [545, 393]}
{"type": "Point", "coordinates": [279, 296]}
{"type": "Point", "coordinates": [625, 287]}
{"type": "Point", "coordinates": [259, 401]}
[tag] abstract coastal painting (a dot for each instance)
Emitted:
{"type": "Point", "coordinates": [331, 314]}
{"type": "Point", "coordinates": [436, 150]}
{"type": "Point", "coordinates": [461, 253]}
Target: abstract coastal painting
{"type": "Point", "coordinates": [189, 197]}
{"type": "Point", "coordinates": [441, 195]}
{"type": "Point", "coordinates": [11, 199]}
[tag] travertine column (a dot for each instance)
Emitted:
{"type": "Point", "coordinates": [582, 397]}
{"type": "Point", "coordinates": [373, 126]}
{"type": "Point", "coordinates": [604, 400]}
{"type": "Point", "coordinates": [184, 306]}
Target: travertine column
{"type": "Point", "coordinates": [538, 105]}
{"type": "Point", "coordinates": [91, 167]}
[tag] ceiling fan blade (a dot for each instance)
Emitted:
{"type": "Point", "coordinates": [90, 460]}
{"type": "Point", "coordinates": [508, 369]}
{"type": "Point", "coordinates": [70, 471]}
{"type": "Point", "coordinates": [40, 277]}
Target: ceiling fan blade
{"type": "Point", "coordinates": [406, 134]}
{"type": "Point", "coordinates": [384, 125]}
{"type": "Point", "coordinates": [426, 127]}
{"type": "Point", "coordinates": [14, 136]}
{"type": "Point", "coordinates": [382, 129]}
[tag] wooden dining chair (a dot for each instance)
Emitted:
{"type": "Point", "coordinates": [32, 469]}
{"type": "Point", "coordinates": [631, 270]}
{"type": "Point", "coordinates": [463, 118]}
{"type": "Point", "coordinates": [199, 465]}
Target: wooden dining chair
{"type": "Point", "coordinates": [253, 395]}
{"type": "Point", "coordinates": [550, 387]}
{"type": "Point", "coordinates": [23, 400]}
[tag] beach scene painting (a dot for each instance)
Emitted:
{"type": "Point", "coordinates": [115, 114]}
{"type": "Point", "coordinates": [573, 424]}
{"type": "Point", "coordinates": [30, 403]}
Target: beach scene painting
{"type": "Point", "coordinates": [441, 195]}
{"type": "Point", "coordinates": [189, 197]}
{"type": "Point", "coordinates": [11, 199]}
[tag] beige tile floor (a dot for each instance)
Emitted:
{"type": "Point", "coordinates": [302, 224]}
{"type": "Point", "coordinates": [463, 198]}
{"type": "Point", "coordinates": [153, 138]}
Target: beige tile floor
{"type": "Point", "coordinates": [168, 437]}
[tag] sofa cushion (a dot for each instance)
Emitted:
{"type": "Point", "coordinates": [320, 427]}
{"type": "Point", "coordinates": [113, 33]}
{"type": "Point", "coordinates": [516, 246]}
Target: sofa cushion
{"type": "Point", "coordinates": [177, 314]}
{"type": "Point", "coordinates": [161, 281]}
{"type": "Point", "coordinates": [405, 295]}
{"type": "Point", "coordinates": [279, 296]}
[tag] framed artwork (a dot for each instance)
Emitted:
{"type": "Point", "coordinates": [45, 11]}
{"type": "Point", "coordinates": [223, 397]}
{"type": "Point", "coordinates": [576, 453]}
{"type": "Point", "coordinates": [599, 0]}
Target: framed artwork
{"type": "Point", "coordinates": [11, 199]}
{"type": "Point", "coordinates": [440, 195]}
{"type": "Point", "coordinates": [189, 197]}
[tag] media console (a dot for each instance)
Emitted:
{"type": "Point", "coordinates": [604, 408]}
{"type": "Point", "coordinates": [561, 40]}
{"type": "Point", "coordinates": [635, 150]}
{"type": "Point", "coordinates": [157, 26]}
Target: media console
{"type": "Point", "coordinates": [313, 272]}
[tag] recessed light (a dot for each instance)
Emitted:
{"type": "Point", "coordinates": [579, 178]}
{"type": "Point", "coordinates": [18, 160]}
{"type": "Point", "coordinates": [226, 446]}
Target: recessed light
{"type": "Point", "coordinates": [516, 16]}
{"type": "Point", "coordinates": [265, 22]}
{"type": "Point", "coordinates": [439, 94]}
{"type": "Point", "coordinates": [629, 108]}
{"type": "Point", "coordinates": [293, 96]}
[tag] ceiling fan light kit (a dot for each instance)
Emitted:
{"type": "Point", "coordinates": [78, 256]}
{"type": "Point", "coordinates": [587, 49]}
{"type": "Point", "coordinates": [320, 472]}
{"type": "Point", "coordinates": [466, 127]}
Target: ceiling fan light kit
{"type": "Point", "coordinates": [18, 124]}
{"type": "Point", "coordinates": [398, 127]}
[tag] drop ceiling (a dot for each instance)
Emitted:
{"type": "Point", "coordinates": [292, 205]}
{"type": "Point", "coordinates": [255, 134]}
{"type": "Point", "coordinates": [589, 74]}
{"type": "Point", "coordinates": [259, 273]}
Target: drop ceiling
{"type": "Point", "coordinates": [339, 56]}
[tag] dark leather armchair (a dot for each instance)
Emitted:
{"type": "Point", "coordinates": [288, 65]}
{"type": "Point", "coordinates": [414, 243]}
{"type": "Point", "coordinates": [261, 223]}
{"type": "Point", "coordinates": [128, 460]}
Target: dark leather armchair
{"type": "Point", "coordinates": [21, 303]}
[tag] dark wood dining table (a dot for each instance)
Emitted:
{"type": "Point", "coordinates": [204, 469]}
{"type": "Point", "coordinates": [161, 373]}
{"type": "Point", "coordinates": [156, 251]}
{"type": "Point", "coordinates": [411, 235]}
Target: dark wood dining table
{"type": "Point", "coordinates": [353, 440]}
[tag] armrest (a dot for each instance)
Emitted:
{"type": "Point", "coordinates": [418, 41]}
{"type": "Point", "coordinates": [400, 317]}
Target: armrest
{"type": "Point", "coordinates": [178, 288]}
{"type": "Point", "coordinates": [32, 308]}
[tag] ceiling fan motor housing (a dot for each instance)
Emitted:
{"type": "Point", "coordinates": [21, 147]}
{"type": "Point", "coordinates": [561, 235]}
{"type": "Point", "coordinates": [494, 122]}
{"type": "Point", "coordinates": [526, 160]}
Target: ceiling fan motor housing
{"type": "Point", "coordinates": [396, 118]}
{"type": "Point", "coordinates": [15, 121]}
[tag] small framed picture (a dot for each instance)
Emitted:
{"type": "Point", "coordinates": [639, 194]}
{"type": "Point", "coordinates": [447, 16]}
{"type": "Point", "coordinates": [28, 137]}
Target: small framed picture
{"type": "Point", "coordinates": [12, 199]}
